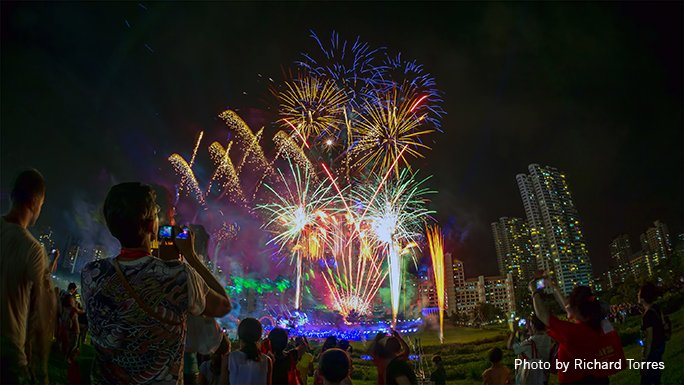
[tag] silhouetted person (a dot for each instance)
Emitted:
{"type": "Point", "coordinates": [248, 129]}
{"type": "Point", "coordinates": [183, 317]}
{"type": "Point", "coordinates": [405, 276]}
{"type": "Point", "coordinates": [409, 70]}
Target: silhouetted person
{"type": "Point", "coordinates": [652, 327]}
{"type": "Point", "coordinates": [334, 366]}
{"type": "Point", "coordinates": [26, 291]}
{"type": "Point", "coordinates": [398, 371]}
{"type": "Point", "coordinates": [248, 366]}
{"type": "Point", "coordinates": [497, 374]}
{"type": "Point", "coordinates": [137, 305]}
{"type": "Point", "coordinates": [438, 376]}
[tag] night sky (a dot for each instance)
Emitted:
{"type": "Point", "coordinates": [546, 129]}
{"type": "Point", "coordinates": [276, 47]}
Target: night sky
{"type": "Point", "coordinates": [99, 93]}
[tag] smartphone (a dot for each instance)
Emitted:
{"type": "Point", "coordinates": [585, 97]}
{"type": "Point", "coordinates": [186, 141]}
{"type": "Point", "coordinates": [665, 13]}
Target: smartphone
{"type": "Point", "coordinates": [184, 234]}
{"type": "Point", "coordinates": [166, 232]}
{"type": "Point", "coordinates": [522, 323]}
{"type": "Point", "coordinates": [540, 284]}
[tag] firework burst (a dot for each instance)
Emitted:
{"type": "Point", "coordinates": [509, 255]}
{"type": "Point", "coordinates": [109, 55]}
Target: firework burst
{"type": "Point", "coordinates": [411, 78]}
{"type": "Point", "coordinates": [311, 106]}
{"type": "Point", "coordinates": [298, 208]}
{"type": "Point", "coordinates": [384, 129]}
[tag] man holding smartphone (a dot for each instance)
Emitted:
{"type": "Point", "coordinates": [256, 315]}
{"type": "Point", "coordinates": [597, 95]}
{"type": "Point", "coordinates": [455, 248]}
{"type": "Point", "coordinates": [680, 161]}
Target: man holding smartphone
{"type": "Point", "coordinates": [138, 304]}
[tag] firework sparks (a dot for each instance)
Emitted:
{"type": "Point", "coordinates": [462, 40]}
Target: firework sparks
{"type": "Point", "coordinates": [247, 138]}
{"type": "Point", "coordinates": [360, 119]}
{"type": "Point", "coordinates": [311, 107]}
{"type": "Point", "coordinates": [396, 209]}
{"type": "Point", "coordinates": [188, 181]}
{"type": "Point", "coordinates": [412, 78]}
{"type": "Point", "coordinates": [436, 246]}
{"type": "Point", "coordinates": [352, 66]}
{"type": "Point", "coordinates": [194, 152]}
{"type": "Point", "coordinates": [287, 148]}
{"type": "Point", "coordinates": [384, 129]}
{"type": "Point", "coordinates": [225, 173]}
{"type": "Point", "coordinates": [301, 205]}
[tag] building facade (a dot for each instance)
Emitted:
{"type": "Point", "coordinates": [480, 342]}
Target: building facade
{"type": "Point", "coordinates": [466, 294]}
{"type": "Point", "coordinates": [620, 254]}
{"type": "Point", "coordinates": [655, 245]}
{"type": "Point", "coordinates": [514, 249]}
{"type": "Point", "coordinates": [555, 228]}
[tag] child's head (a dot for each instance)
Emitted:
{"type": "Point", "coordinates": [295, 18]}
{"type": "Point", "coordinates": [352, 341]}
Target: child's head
{"type": "Point", "coordinates": [495, 355]}
{"type": "Point", "coordinates": [334, 365]}
{"type": "Point", "coordinates": [392, 346]}
{"type": "Point", "coordinates": [278, 338]}
{"type": "Point", "coordinates": [343, 344]}
{"type": "Point", "coordinates": [329, 343]}
{"type": "Point", "coordinates": [249, 333]}
{"type": "Point", "coordinates": [437, 359]}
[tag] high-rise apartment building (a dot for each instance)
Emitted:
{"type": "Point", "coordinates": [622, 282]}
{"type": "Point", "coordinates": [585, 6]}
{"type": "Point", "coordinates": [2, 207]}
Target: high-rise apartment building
{"type": "Point", "coordinates": [514, 249]}
{"type": "Point", "coordinates": [555, 229]}
{"type": "Point", "coordinates": [620, 253]}
{"type": "Point", "coordinates": [656, 245]}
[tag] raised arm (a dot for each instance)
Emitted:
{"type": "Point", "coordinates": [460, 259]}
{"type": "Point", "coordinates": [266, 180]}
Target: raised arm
{"type": "Point", "coordinates": [376, 340]}
{"type": "Point", "coordinates": [404, 346]}
{"type": "Point", "coordinates": [218, 303]}
{"type": "Point", "coordinates": [540, 308]}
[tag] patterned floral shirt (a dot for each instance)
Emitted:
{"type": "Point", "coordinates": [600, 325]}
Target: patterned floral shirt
{"type": "Point", "coordinates": [130, 346]}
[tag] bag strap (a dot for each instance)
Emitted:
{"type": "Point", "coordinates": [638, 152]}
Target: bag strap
{"type": "Point", "coordinates": [139, 300]}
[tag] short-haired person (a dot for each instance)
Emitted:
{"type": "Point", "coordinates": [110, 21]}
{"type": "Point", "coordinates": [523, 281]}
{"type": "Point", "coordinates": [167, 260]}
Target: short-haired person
{"type": "Point", "coordinates": [652, 327]}
{"type": "Point", "coordinates": [398, 371]}
{"type": "Point", "coordinates": [27, 298]}
{"type": "Point", "coordinates": [334, 366]}
{"type": "Point", "coordinates": [329, 343]}
{"type": "Point", "coordinates": [536, 347]}
{"type": "Point", "coordinates": [588, 336]}
{"type": "Point", "coordinates": [137, 305]}
{"type": "Point", "coordinates": [498, 373]}
{"type": "Point", "coordinates": [438, 376]}
{"type": "Point", "coordinates": [248, 366]}
{"type": "Point", "coordinates": [283, 359]}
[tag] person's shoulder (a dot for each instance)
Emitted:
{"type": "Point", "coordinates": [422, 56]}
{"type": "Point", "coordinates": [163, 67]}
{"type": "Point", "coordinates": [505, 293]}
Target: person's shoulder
{"type": "Point", "coordinates": [97, 265]}
{"type": "Point", "coordinates": [23, 237]}
{"type": "Point", "coordinates": [176, 269]}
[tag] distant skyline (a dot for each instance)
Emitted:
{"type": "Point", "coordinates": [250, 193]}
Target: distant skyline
{"type": "Point", "coordinates": [94, 94]}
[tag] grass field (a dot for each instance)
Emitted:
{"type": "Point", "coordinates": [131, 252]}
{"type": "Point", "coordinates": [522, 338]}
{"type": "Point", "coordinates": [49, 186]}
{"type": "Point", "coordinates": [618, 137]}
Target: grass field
{"type": "Point", "coordinates": [464, 355]}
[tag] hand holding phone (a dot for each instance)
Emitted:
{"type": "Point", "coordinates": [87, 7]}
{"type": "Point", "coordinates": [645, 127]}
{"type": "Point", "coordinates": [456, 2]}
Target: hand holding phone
{"type": "Point", "coordinates": [184, 233]}
{"type": "Point", "coordinates": [522, 323]}
{"type": "Point", "coordinates": [185, 242]}
{"type": "Point", "coordinates": [165, 233]}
